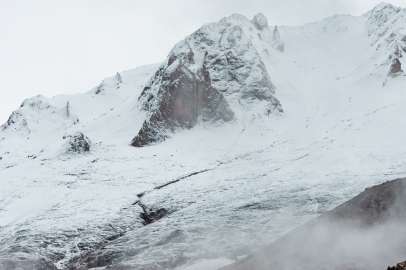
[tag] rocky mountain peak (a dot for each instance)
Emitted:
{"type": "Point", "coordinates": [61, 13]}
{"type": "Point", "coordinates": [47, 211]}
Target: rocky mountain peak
{"type": "Point", "coordinates": [260, 21]}
{"type": "Point", "coordinates": [381, 14]}
{"type": "Point", "coordinates": [214, 71]}
{"type": "Point", "coordinates": [384, 5]}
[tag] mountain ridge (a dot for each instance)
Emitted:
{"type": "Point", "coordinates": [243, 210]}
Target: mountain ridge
{"type": "Point", "coordinates": [214, 190]}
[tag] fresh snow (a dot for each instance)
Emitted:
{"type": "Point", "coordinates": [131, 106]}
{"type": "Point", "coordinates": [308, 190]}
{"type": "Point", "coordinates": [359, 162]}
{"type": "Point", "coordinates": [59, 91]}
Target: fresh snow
{"type": "Point", "coordinates": [342, 130]}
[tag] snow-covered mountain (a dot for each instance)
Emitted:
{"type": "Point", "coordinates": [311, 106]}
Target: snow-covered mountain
{"type": "Point", "coordinates": [244, 132]}
{"type": "Point", "coordinates": [208, 76]}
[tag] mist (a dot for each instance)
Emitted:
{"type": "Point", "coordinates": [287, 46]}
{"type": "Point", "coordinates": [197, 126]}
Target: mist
{"type": "Point", "coordinates": [367, 232]}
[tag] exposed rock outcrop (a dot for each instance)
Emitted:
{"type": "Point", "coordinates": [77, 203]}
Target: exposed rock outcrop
{"type": "Point", "coordinates": [69, 114]}
{"type": "Point", "coordinates": [377, 204]}
{"type": "Point", "coordinates": [76, 144]}
{"type": "Point", "coordinates": [119, 78]}
{"type": "Point", "coordinates": [149, 217]}
{"type": "Point", "coordinates": [399, 266]}
{"type": "Point", "coordinates": [395, 67]}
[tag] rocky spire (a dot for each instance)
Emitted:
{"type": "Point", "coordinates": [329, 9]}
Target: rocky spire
{"type": "Point", "coordinates": [67, 109]}
{"type": "Point", "coordinates": [276, 40]}
{"type": "Point", "coordinates": [276, 35]}
{"type": "Point", "coordinates": [69, 114]}
{"type": "Point", "coordinates": [119, 78]}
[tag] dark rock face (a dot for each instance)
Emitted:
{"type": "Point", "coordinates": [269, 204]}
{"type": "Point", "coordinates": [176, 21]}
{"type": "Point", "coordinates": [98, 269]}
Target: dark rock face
{"type": "Point", "coordinates": [395, 67]}
{"type": "Point", "coordinates": [366, 232]}
{"type": "Point", "coordinates": [375, 205]}
{"type": "Point", "coordinates": [399, 266]}
{"type": "Point", "coordinates": [184, 95]}
{"type": "Point", "coordinates": [77, 144]}
{"type": "Point", "coordinates": [149, 217]}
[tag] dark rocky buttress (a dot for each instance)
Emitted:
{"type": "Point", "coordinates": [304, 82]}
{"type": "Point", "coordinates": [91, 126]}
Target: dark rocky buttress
{"type": "Point", "coordinates": [184, 94]}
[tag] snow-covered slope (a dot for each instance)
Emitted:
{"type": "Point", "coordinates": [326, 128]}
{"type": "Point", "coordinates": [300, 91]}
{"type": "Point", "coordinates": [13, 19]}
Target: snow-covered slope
{"type": "Point", "coordinates": [214, 189]}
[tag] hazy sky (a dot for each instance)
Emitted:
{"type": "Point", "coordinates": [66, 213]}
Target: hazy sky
{"type": "Point", "coordinates": [52, 47]}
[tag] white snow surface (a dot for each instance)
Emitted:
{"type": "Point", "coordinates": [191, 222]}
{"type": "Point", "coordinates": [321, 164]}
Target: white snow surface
{"type": "Point", "coordinates": [343, 129]}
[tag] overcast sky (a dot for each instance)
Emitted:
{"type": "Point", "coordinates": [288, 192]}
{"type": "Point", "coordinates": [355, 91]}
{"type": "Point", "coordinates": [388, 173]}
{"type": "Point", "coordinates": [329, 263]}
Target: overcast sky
{"type": "Point", "coordinates": [52, 47]}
